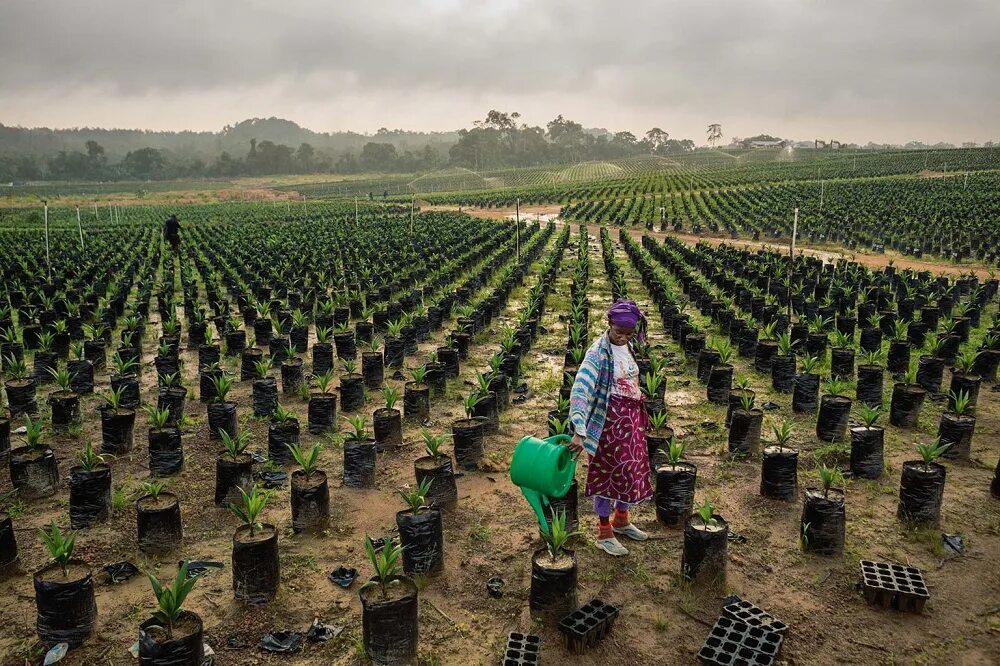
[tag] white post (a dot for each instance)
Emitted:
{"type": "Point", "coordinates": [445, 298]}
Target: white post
{"type": "Point", "coordinates": [791, 262]}
{"type": "Point", "coordinates": [96, 215]}
{"type": "Point", "coordinates": [79, 226]}
{"type": "Point", "coordinates": [966, 183]}
{"type": "Point", "coordinates": [517, 228]}
{"type": "Point", "coordinates": [355, 211]}
{"type": "Point", "coordinates": [822, 191]}
{"type": "Point", "coordinates": [48, 261]}
{"type": "Point", "coordinates": [412, 198]}
{"type": "Point", "coordinates": [111, 213]}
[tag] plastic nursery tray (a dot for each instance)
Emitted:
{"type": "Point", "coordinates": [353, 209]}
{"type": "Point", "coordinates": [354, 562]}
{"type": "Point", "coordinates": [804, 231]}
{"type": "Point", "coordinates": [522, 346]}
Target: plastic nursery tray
{"type": "Point", "coordinates": [744, 611]}
{"type": "Point", "coordinates": [894, 586]}
{"type": "Point", "coordinates": [735, 643]}
{"type": "Point", "coordinates": [522, 650]}
{"type": "Point", "coordinates": [587, 625]}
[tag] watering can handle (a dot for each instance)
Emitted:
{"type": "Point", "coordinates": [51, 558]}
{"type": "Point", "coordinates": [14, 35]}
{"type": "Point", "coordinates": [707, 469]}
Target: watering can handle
{"type": "Point", "coordinates": [559, 438]}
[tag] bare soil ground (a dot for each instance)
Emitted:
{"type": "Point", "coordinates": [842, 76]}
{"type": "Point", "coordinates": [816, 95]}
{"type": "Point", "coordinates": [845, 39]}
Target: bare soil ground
{"type": "Point", "coordinates": [493, 532]}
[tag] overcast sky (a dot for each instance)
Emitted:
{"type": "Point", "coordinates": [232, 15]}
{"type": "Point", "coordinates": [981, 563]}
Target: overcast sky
{"type": "Point", "coordinates": [854, 70]}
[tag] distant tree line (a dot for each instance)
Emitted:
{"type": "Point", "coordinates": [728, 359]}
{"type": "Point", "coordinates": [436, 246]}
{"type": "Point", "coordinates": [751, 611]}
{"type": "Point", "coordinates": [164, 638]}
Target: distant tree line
{"type": "Point", "coordinates": [498, 141]}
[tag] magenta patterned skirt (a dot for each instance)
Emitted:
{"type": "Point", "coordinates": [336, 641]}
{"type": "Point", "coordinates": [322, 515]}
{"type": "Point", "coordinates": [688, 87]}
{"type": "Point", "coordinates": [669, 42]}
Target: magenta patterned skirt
{"type": "Point", "coordinates": [620, 468]}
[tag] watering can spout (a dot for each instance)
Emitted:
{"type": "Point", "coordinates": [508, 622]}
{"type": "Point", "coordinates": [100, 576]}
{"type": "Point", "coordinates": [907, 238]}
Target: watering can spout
{"type": "Point", "coordinates": [543, 469]}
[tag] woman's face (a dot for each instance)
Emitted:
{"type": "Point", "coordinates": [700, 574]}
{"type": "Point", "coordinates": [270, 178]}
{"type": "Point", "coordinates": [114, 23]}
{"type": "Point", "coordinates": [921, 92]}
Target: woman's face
{"type": "Point", "coordinates": [620, 335]}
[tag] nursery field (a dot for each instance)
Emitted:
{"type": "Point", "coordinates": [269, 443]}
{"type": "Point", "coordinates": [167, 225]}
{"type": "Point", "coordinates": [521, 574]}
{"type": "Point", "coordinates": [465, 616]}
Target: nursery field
{"type": "Point", "coordinates": [415, 350]}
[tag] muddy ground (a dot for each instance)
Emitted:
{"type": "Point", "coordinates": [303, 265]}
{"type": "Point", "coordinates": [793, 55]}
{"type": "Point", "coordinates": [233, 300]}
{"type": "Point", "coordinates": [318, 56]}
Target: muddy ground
{"type": "Point", "coordinates": [493, 532]}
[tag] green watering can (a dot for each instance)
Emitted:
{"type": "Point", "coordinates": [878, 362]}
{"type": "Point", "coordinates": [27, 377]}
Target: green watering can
{"type": "Point", "coordinates": [542, 468]}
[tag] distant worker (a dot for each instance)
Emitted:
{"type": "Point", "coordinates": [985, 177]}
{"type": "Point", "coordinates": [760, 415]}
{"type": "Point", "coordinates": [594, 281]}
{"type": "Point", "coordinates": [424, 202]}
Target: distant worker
{"type": "Point", "coordinates": [172, 233]}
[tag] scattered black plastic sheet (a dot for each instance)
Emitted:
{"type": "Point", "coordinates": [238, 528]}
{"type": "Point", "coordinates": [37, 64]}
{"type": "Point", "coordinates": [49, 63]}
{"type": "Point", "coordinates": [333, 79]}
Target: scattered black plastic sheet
{"type": "Point", "coordinates": [320, 633]}
{"type": "Point", "coordinates": [343, 576]}
{"type": "Point", "coordinates": [200, 567]}
{"type": "Point", "coordinates": [494, 586]}
{"type": "Point", "coordinates": [273, 479]}
{"type": "Point", "coordinates": [281, 641]}
{"type": "Point", "coordinates": [120, 572]}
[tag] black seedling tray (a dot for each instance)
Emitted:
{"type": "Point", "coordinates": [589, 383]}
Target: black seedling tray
{"type": "Point", "coordinates": [744, 611]}
{"type": "Point", "coordinates": [588, 625]}
{"type": "Point", "coordinates": [889, 585]}
{"type": "Point", "coordinates": [522, 650]}
{"type": "Point", "coordinates": [735, 643]}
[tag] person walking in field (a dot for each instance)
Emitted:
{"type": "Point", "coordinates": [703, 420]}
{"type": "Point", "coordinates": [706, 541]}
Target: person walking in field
{"type": "Point", "coordinates": [609, 422]}
{"type": "Point", "coordinates": [172, 233]}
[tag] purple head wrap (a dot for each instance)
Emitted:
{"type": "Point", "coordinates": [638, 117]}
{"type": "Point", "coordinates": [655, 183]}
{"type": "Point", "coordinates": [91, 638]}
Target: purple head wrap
{"type": "Point", "coordinates": [626, 313]}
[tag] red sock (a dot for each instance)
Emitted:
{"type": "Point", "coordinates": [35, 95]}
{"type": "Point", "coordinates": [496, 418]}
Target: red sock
{"type": "Point", "coordinates": [621, 518]}
{"type": "Point", "coordinates": [604, 528]}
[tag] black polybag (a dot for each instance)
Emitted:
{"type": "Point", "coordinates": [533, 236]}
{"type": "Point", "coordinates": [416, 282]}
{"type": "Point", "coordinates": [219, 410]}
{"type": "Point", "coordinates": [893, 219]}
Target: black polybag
{"type": "Point", "coordinates": [67, 610]}
{"type": "Point", "coordinates": [705, 552]}
{"type": "Point", "coordinates": [823, 522]}
{"type": "Point", "coordinates": [389, 628]}
{"type": "Point", "coordinates": [553, 591]}
{"type": "Point", "coordinates": [359, 464]}
{"type": "Point", "coordinates": [422, 537]}
{"type": "Point", "coordinates": [867, 446]}
{"type": "Point", "coordinates": [674, 495]}
{"type": "Point", "coordinates": [89, 496]}
{"type": "Point", "coordinates": [166, 454]}
{"type": "Point", "coordinates": [778, 473]}
{"type": "Point", "coordinates": [186, 651]}
{"type": "Point", "coordinates": [343, 576]}
{"type": "Point", "coordinates": [921, 492]}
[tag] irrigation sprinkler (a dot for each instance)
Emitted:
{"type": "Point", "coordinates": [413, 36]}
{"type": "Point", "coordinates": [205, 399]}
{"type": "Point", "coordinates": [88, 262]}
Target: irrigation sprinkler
{"type": "Point", "coordinates": [79, 226]}
{"type": "Point", "coordinates": [517, 227]}
{"type": "Point", "coordinates": [48, 260]}
{"type": "Point", "coordinates": [791, 261]}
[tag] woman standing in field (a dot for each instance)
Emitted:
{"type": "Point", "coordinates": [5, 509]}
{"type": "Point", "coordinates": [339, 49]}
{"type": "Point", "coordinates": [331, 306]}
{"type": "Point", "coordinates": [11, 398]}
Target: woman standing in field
{"type": "Point", "coordinates": [609, 422]}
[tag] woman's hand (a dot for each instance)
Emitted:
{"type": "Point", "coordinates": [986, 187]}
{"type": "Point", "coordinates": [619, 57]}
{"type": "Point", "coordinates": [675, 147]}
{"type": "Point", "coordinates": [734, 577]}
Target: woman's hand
{"type": "Point", "coordinates": [576, 444]}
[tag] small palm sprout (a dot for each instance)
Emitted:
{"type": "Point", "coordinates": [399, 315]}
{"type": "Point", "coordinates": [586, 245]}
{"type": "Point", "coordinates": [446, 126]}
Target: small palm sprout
{"type": "Point", "coordinates": [658, 420]}
{"type": "Point", "coordinates": [577, 354]}
{"type": "Point", "coordinates": [222, 386]}
{"type": "Point", "coordinates": [835, 387]}
{"type": "Point", "coordinates": [262, 367]}
{"type": "Point", "coordinates": [829, 477]}
{"type": "Point", "coordinates": [782, 434]}
{"type": "Point", "coordinates": [170, 600]}
{"type": "Point", "coordinates": [394, 329]}
{"type": "Point", "coordinates": [870, 414]}
{"type": "Point", "coordinates": [557, 535]}
{"type": "Point", "coordinates": [358, 432]}
{"type": "Point", "coordinates": [747, 401]}
{"type": "Point", "coordinates": [308, 460]}
{"type": "Point", "coordinates": [59, 545]}
{"type": "Point", "coordinates": [90, 459]}
{"type": "Point", "coordinates": [931, 452]}
{"type": "Point", "coordinates": [123, 366]}
{"type": "Point", "coordinates": [153, 488]}
{"type": "Point", "coordinates": [323, 334]}
{"type": "Point", "coordinates": [959, 402]}
{"type": "Point", "coordinates": [965, 361]}
{"type": "Point", "coordinates": [910, 377]}
{"type": "Point", "coordinates": [469, 404]}
{"type": "Point", "coordinates": [873, 357]}
{"type": "Point", "coordinates": [653, 384]}
{"type": "Point", "coordinates": [416, 497]}
{"type": "Point", "coordinates": [841, 340]}
{"type": "Point", "coordinates": [158, 418]}
{"type": "Point", "coordinates": [385, 562]}
{"type": "Point", "coordinates": [785, 344]}
{"type": "Point", "coordinates": [419, 374]}
{"type": "Point", "coordinates": [324, 382]}
{"type": "Point", "coordinates": [250, 506]}
{"type": "Point", "coordinates": [350, 367]}
{"type": "Point", "coordinates": [675, 451]}
{"type": "Point", "coordinates": [113, 398]}
{"type": "Point", "coordinates": [78, 350]}
{"type": "Point", "coordinates": [742, 383]}
{"type": "Point", "coordinates": [433, 443]}
{"type": "Point", "coordinates": [234, 446]}
{"type": "Point", "coordinates": [374, 344]}
{"type": "Point", "coordinates": [391, 396]}
{"type": "Point", "coordinates": [14, 368]}
{"type": "Point", "coordinates": [33, 434]}
{"type": "Point", "coordinates": [705, 512]}
{"type": "Point", "coordinates": [809, 364]}
{"type": "Point", "coordinates": [559, 426]}
{"type": "Point", "coordinates": [63, 378]}
{"type": "Point", "coordinates": [282, 415]}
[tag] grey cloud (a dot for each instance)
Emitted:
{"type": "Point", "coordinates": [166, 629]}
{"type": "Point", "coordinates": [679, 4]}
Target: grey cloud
{"type": "Point", "coordinates": [913, 60]}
